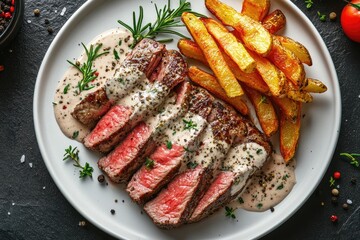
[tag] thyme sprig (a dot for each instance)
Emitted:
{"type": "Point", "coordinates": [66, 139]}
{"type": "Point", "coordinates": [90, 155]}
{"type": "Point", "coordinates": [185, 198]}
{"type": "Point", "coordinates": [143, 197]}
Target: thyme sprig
{"type": "Point", "coordinates": [86, 68]}
{"type": "Point", "coordinates": [166, 18]}
{"type": "Point", "coordinates": [230, 212]}
{"type": "Point", "coordinates": [309, 3]}
{"type": "Point", "coordinates": [352, 157]}
{"type": "Point", "coordinates": [73, 154]}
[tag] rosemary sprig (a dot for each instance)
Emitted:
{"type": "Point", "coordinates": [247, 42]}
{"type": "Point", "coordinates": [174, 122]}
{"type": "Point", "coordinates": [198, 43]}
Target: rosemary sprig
{"type": "Point", "coordinates": [73, 154]}
{"type": "Point", "coordinates": [86, 68]}
{"type": "Point", "coordinates": [351, 156]}
{"type": "Point", "coordinates": [166, 18]}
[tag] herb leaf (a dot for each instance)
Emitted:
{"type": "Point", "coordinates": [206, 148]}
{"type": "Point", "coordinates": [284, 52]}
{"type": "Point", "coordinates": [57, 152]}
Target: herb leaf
{"type": "Point", "coordinates": [116, 54]}
{"type": "Point", "coordinates": [86, 68]}
{"type": "Point", "coordinates": [332, 181]}
{"type": "Point", "coordinates": [149, 163]}
{"type": "Point", "coordinates": [192, 165]}
{"type": "Point", "coordinates": [309, 3]}
{"type": "Point", "coordinates": [322, 17]}
{"type": "Point", "coordinates": [73, 154]}
{"type": "Point", "coordinates": [189, 124]}
{"type": "Point", "coordinates": [66, 89]}
{"type": "Point", "coordinates": [168, 144]}
{"type": "Point", "coordinates": [351, 156]}
{"type": "Point", "coordinates": [229, 212]}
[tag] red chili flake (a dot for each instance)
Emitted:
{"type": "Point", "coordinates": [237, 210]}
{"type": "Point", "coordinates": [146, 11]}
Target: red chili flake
{"type": "Point", "coordinates": [12, 9]}
{"type": "Point", "coordinates": [2, 14]}
{"type": "Point", "coordinates": [337, 175]}
{"type": "Point", "coordinates": [96, 73]}
{"type": "Point", "coordinates": [13, 2]}
{"type": "Point", "coordinates": [334, 218]}
{"type": "Point", "coordinates": [2, 68]}
{"type": "Point", "coordinates": [64, 107]}
{"type": "Point", "coordinates": [7, 15]}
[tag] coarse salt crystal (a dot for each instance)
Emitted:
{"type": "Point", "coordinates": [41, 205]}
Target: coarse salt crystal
{"type": "Point", "coordinates": [349, 201]}
{"type": "Point", "coordinates": [31, 165]}
{"type": "Point", "coordinates": [63, 11]}
{"type": "Point", "coordinates": [44, 187]}
{"type": "Point", "coordinates": [13, 204]}
{"type": "Point", "coordinates": [55, 11]}
{"type": "Point", "coordinates": [9, 213]}
{"type": "Point", "coordinates": [22, 159]}
{"type": "Point", "coordinates": [28, 21]}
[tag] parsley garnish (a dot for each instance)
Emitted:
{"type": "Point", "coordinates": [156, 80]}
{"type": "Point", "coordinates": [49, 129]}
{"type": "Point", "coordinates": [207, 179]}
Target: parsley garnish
{"type": "Point", "coordinates": [309, 3]}
{"type": "Point", "coordinates": [73, 153]}
{"type": "Point", "coordinates": [259, 205]}
{"type": "Point", "coordinates": [281, 186]}
{"type": "Point", "coordinates": [66, 89]}
{"type": "Point", "coordinates": [259, 151]}
{"type": "Point", "coordinates": [149, 163]}
{"type": "Point", "coordinates": [168, 144]}
{"type": "Point", "coordinates": [86, 68]}
{"type": "Point", "coordinates": [229, 212]}
{"type": "Point", "coordinates": [241, 200]}
{"type": "Point", "coordinates": [188, 150]}
{"type": "Point", "coordinates": [116, 54]}
{"type": "Point", "coordinates": [189, 124]}
{"type": "Point", "coordinates": [166, 19]}
{"type": "Point", "coordinates": [192, 165]}
{"type": "Point", "coordinates": [75, 134]}
{"type": "Point", "coordinates": [322, 17]}
{"type": "Point", "coordinates": [352, 158]}
{"type": "Point", "coordinates": [332, 181]}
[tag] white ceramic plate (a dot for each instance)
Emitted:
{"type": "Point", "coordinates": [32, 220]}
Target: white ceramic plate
{"type": "Point", "coordinates": [320, 128]}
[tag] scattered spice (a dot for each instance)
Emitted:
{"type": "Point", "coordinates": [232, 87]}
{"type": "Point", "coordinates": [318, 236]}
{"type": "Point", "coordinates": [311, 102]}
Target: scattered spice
{"type": "Point", "coordinates": [332, 16]}
{"type": "Point", "coordinates": [353, 181]}
{"type": "Point", "coordinates": [272, 209]}
{"type": "Point", "coordinates": [36, 12]}
{"type": "Point", "coordinates": [46, 21]}
{"type": "Point", "coordinates": [335, 192]}
{"type": "Point", "coordinates": [82, 223]}
{"type": "Point", "coordinates": [101, 178]}
{"type": "Point", "coordinates": [50, 30]}
{"type": "Point", "coordinates": [349, 202]}
{"type": "Point", "coordinates": [334, 218]}
{"type": "Point", "coordinates": [22, 159]}
{"type": "Point", "coordinates": [337, 175]}
{"type": "Point", "coordinates": [345, 206]}
{"type": "Point", "coordinates": [112, 211]}
{"type": "Point", "coordinates": [334, 200]}
{"type": "Point", "coordinates": [7, 9]}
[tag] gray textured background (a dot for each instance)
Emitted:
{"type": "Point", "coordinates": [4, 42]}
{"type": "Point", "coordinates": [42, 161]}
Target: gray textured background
{"type": "Point", "coordinates": [45, 214]}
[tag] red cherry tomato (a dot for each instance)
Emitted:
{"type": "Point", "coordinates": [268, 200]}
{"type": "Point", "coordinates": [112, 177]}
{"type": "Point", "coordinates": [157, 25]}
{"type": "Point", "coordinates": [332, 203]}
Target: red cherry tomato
{"type": "Point", "coordinates": [350, 20]}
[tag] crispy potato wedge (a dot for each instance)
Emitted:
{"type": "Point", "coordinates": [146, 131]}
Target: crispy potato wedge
{"type": "Point", "coordinates": [289, 135]}
{"type": "Point", "coordinates": [232, 47]}
{"type": "Point", "coordinates": [314, 86]}
{"type": "Point", "coordinates": [265, 111]}
{"type": "Point", "coordinates": [297, 48]}
{"type": "Point", "coordinates": [210, 83]}
{"type": "Point", "coordinates": [212, 54]}
{"type": "Point", "coordinates": [191, 50]}
{"type": "Point", "coordinates": [275, 21]}
{"type": "Point", "coordinates": [274, 78]}
{"type": "Point", "coordinates": [288, 63]}
{"type": "Point", "coordinates": [253, 34]}
{"type": "Point", "coordinates": [288, 107]}
{"type": "Point", "coordinates": [296, 94]}
{"type": "Point", "coordinates": [256, 9]}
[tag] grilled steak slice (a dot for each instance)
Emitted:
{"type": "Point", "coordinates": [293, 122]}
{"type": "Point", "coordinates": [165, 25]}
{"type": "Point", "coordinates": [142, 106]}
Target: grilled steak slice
{"type": "Point", "coordinates": [174, 204]}
{"type": "Point", "coordinates": [127, 157]}
{"type": "Point", "coordinates": [139, 63]}
{"type": "Point", "coordinates": [142, 103]}
{"type": "Point", "coordinates": [167, 160]}
{"type": "Point", "coordinates": [247, 155]}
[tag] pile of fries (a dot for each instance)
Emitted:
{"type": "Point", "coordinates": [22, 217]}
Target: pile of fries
{"type": "Point", "coordinates": [247, 57]}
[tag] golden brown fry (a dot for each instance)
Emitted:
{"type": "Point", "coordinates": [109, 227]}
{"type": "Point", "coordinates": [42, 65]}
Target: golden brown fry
{"type": "Point", "coordinates": [296, 94]}
{"type": "Point", "coordinates": [289, 135]}
{"type": "Point", "coordinates": [253, 34]}
{"type": "Point", "coordinates": [253, 80]}
{"type": "Point", "coordinates": [275, 21]}
{"type": "Point", "coordinates": [287, 106]}
{"type": "Point", "coordinates": [210, 83]}
{"type": "Point", "coordinates": [232, 47]}
{"type": "Point", "coordinates": [265, 111]}
{"type": "Point", "coordinates": [314, 86]}
{"type": "Point", "coordinates": [288, 63]}
{"type": "Point", "coordinates": [297, 48]}
{"type": "Point", "coordinates": [212, 54]}
{"type": "Point", "coordinates": [256, 9]}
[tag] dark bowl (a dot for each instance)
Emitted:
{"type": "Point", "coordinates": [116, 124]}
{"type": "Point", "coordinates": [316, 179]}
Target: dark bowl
{"type": "Point", "coordinates": [11, 30]}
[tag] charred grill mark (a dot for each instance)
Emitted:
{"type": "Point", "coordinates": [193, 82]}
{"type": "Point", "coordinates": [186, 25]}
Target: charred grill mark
{"type": "Point", "coordinates": [200, 102]}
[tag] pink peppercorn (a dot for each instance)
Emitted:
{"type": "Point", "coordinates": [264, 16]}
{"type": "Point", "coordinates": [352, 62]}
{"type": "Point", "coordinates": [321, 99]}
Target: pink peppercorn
{"type": "Point", "coordinates": [337, 175]}
{"type": "Point", "coordinates": [334, 218]}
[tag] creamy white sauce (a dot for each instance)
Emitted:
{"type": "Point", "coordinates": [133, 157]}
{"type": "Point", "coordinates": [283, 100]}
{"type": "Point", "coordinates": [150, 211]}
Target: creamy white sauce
{"type": "Point", "coordinates": [268, 186]}
{"type": "Point", "coordinates": [106, 65]}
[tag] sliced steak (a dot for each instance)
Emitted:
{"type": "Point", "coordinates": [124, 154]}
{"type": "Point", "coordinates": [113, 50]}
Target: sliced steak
{"type": "Point", "coordinates": [167, 159]}
{"type": "Point", "coordinates": [248, 153]}
{"type": "Point", "coordinates": [128, 156]}
{"type": "Point", "coordinates": [174, 204]}
{"type": "Point", "coordinates": [143, 103]}
{"type": "Point", "coordinates": [140, 63]}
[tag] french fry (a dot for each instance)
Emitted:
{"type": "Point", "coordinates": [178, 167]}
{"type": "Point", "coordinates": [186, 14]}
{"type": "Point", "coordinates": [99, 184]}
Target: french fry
{"type": "Point", "coordinates": [314, 86]}
{"type": "Point", "coordinates": [287, 62]}
{"type": "Point", "coordinates": [210, 83]}
{"type": "Point", "coordinates": [232, 47]}
{"type": "Point", "coordinates": [296, 94]}
{"type": "Point", "coordinates": [265, 111]}
{"type": "Point", "coordinates": [275, 21]}
{"type": "Point", "coordinates": [297, 48]}
{"type": "Point", "coordinates": [253, 34]}
{"type": "Point", "coordinates": [191, 50]}
{"type": "Point", "coordinates": [212, 54]}
{"type": "Point", "coordinates": [288, 107]}
{"type": "Point", "coordinates": [256, 9]}
{"type": "Point", "coordinates": [289, 135]}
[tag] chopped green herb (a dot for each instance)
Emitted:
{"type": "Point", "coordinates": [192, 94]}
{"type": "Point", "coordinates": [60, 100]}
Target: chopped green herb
{"type": "Point", "coordinates": [332, 181]}
{"type": "Point", "coordinates": [192, 165]}
{"type": "Point", "coordinates": [259, 205]}
{"type": "Point", "coordinates": [73, 154]}
{"type": "Point", "coordinates": [285, 177]}
{"type": "Point", "coordinates": [263, 100]}
{"type": "Point", "coordinates": [168, 144]}
{"type": "Point", "coordinates": [173, 133]}
{"type": "Point", "coordinates": [75, 134]}
{"type": "Point", "coordinates": [241, 200]}
{"type": "Point", "coordinates": [259, 151]}
{"type": "Point", "coordinates": [281, 186]}
{"type": "Point", "coordinates": [309, 3]}
{"type": "Point", "coordinates": [120, 42]}
{"type": "Point", "coordinates": [116, 54]}
{"type": "Point", "coordinates": [351, 156]}
{"type": "Point", "coordinates": [149, 163]}
{"type": "Point", "coordinates": [188, 150]}
{"type": "Point", "coordinates": [322, 17]}
{"type": "Point", "coordinates": [66, 88]}
{"type": "Point", "coordinates": [86, 68]}
{"type": "Point", "coordinates": [229, 212]}
{"type": "Point", "coordinates": [189, 124]}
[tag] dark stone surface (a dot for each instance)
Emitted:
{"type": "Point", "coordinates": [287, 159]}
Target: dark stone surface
{"type": "Point", "coordinates": [38, 213]}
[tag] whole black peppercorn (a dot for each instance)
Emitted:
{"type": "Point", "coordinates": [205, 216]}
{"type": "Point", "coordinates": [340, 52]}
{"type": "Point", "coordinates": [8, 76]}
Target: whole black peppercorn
{"type": "Point", "coordinates": [101, 178]}
{"type": "Point", "coordinates": [353, 181]}
{"type": "Point", "coordinates": [46, 21]}
{"type": "Point", "coordinates": [345, 206]}
{"type": "Point", "coordinates": [112, 211]}
{"type": "Point", "coordinates": [50, 30]}
{"type": "Point", "coordinates": [334, 200]}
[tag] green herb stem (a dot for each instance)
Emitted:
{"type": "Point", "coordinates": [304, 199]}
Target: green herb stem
{"type": "Point", "coordinates": [73, 154]}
